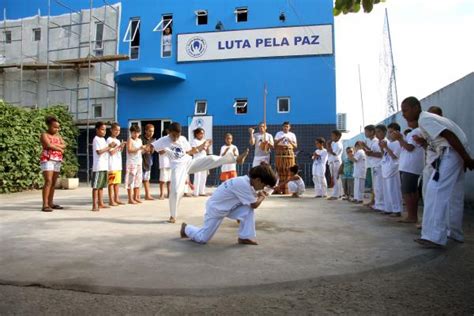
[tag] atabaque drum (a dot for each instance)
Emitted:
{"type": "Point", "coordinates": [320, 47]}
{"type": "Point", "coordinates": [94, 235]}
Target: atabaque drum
{"type": "Point", "coordinates": [284, 159]}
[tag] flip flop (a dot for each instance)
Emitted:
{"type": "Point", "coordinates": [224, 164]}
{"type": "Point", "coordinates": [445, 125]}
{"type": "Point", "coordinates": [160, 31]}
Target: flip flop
{"type": "Point", "coordinates": [57, 207]}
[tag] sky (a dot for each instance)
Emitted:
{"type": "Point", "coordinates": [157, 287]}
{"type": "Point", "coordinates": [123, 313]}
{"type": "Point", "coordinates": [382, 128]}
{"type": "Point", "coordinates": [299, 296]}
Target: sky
{"type": "Point", "coordinates": [432, 44]}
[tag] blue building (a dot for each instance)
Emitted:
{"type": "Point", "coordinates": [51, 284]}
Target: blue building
{"type": "Point", "coordinates": [208, 61]}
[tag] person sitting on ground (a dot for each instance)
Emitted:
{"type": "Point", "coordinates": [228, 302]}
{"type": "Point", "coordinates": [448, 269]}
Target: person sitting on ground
{"type": "Point", "coordinates": [295, 183]}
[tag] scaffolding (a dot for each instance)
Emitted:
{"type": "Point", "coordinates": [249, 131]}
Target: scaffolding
{"type": "Point", "coordinates": [89, 63]}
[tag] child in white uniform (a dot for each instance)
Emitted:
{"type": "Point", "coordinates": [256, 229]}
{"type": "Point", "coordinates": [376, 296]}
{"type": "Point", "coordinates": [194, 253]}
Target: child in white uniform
{"type": "Point", "coordinates": [392, 190]}
{"type": "Point", "coordinates": [200, 178]}
{"type": "Point", "coordinates": [228, 171]}
{"type": "Point", "coordinates": [236, 199]}
{"type": "Point", "coordinates": [263, 142]}
{"type": "Point", "coordinates": [374, 153]}
{"type": "Point", "coordinates": [133, 178]}
{"type": "Point", "coordinates": [295, 183]}
{"type": "Point", "coordinates": [320, 158]}
{"type": "Point", "coordinates": [335, 149]}
{"type": "Point", "coordinates": [359, 173]}
{"type": "Point", "coordinates": [179, 150]}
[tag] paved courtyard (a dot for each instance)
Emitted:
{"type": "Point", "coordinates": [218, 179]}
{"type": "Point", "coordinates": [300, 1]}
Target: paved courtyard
{"type": "Point", "coordinates": [133, 250]}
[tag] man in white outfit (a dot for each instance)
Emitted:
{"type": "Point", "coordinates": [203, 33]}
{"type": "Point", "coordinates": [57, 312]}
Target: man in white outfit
{"type": "Point", "coordinates": [444, 201]}
{"type": "Point", "coordinates": [179, 151]}
{"type": "Point", "coordinates": [263, 142]}
{"type": "Point", "coordinates": [335, 149]}
{"type": "Point", "coordinates": [236, 199]}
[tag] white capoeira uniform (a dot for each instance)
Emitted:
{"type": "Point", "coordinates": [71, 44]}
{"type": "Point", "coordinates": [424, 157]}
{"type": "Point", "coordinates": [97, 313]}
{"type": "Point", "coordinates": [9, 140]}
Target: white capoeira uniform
{"type": "Point", "coordinates": [200, 178]}
{"type": "Point", "coordinates": [183, 165]}
{"type": "Point", "coordinates": [297, 186]}
{"type": "Point", "coordinates": [334, 165]}
{"type": "Point", "coordinates": [392, 187]}
{"type": "Point", "coordinates": [261, 156]}
{"type": "Point", "coordinates": [359, 174]}
{"type": "Point", "coordinates": [444, 202]}
{"type": "Point", "coordinates": [232, 199]}
{"type": "Point", "coordinates": [430, 157]}
{"type": "Point", "coordinates": [319, 172]}
{"type": "Point", "coordinates": [377, 179]}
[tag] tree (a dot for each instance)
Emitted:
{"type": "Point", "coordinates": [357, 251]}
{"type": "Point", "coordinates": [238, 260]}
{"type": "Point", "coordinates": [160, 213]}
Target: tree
{"type": "Point", "coordinates": [353, 6]}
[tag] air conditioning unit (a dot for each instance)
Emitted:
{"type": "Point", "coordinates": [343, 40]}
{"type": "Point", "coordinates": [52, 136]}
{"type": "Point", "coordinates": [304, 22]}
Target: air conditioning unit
{"type": "Point", "coordinates": [342, 122]}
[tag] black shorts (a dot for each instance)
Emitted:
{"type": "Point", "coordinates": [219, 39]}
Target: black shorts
{"type": "Point", "coordinates": [409, 182]}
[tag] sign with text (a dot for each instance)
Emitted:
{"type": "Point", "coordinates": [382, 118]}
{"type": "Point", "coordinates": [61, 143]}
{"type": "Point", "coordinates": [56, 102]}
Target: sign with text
{"type": "Point", "coordinates": [307, 40]}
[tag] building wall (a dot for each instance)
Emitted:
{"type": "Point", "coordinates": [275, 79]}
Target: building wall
{"type": "Point", "coordinates": [309, 81]}
{"type": "Point", "coordinates": [457, 102]}
{"type": "Point", "coordinates": [30, 88]}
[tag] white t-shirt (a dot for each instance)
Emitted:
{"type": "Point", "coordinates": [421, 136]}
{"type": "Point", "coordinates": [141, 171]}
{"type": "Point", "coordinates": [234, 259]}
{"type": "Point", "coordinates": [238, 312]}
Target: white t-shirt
{"type": "Point", "coordinates": [166, 41]}
{"type": "Point", "coordinates": [136, 157]}
{"type": "Point", "coordinates": [176, 151]}
{"type": "Point", "coordinates": [319, 164]}
{"type": "Point", "coordinates": [288, 136]}
{"type": "Point", "coordinates": [412, 161]}
{"type": "Point", "coordinates": [229, 166]}
{"type": "Point", "coordinates": [230, 195]}
{"type": "Point", "coordinates": [337, 148]}
{"type": "Point", "coordinates": [100, 162]}
{"type": "Point", "coordinates": [258, 140]}
{"type": "Point", "coordinates": [390, 165]}
{"type": "Point", "coordinates": [360, 168]}
{"type": "Point", "coordinates": [164, 161]}
{"type": "Point", "coordinates": [297, 186]}
{"type": "Point", "coordinates": [375, 148]}
{"type": "Point", "coordinates": [115, 160]}
{"type": "Point", "coordinates": [195, 143]}
{"type": "Point", "coordinates": [373, 161]}
{"type": "Point", "coordinates": [431, 126]}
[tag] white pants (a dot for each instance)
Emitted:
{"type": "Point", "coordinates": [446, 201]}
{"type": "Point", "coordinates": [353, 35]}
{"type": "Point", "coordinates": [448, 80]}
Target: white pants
{"type": "Point", "coordinates": [257, 160]}
{"type": "Point", "coordinates": [359, 186]}
{"type": "Point", "coordinates": [200, 183]}
{"type": "Point", "coordinates": [180, 173]}
{"type": "Point", "coordinates": [296, 187]}
{"type": "Point", "coordinates": [212, 221]}
{"type": "Point", "coordinates": [334, 168]}
{"type": "Point", "coordinates": [377, 181]}
{"type": "Point", "coordinates": [392, 194]}
{"type": "Point", "coordinates": [444, 202]}
{"type": "Point", "coordinates": [427, 173]}
{"type": "Point", "coordinates": [320, 186]}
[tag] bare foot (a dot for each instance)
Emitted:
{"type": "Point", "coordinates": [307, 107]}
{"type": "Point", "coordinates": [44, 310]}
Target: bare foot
{"type": "Point", "coordinates": [119, 202]}
{"type": "Point", "coordinates": [113, 204]}
{"type": "Point", "coordinates": [149, 198]}
{"type": "Point", "coordinates": [132, 202]}
{"type": "Point", "coordinates": [103, 206]}
{"type": "Point", "coordinates": [172, 220]}
{"type": "Point", "coordinates": [161, 197]}
{"type": "Point", "coordinates": [138, 201]}
{"type": "Point", "coordinates": [95, 210]}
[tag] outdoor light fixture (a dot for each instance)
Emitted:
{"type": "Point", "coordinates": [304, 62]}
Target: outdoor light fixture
{"type": "Point", "coordinates": [142, 78]}
{"type": "Point", "coordinates": [219, 26]}
{"type": "Point", "coordinates": [282, 17]}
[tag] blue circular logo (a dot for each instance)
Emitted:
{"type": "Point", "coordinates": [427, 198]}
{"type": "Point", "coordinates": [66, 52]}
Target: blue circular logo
{"type": "Point", "coordinates": [196, 47]}
{"type": "Point", "coordinates": [199, 123]}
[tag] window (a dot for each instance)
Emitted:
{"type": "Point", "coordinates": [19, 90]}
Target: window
{"type": "Point", "coordinates": [97, 110]}
{"type": "Point", "coordinates": [37, 34]}
{"type": "Point", "coordinates": [241, 14]}
{"type": "Point", "coordinates": [8, 37]}
{"type": "Point", "coordinates": [200, 108]}
{"type": "Point", "coordinates": [167, 35]}
{"type": "Point", "coordinates": [240, 106]}
{"type": "Point", "coordinates": [283, 105]}
{"type": "Point", "coordinates": [135, 39]}
{"type": "Point", "coordinates": [201, 17]}
{"type": "Point", "coordinates": [99, 35]}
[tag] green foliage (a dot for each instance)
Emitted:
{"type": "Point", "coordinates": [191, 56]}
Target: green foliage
{"type": "Point", "coordinates": [20, 146]}
{"type": "Point", "coordinates": [353, 6]}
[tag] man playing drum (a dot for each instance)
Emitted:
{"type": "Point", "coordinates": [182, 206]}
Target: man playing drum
{"type": "Point", "coordinates": [263, 144]}
{"type": "Point", "coordinates": [285, 144]}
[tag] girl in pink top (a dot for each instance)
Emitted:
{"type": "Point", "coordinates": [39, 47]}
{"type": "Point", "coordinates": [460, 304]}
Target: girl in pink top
{"type": "Point", "coordinates": [50, 160]}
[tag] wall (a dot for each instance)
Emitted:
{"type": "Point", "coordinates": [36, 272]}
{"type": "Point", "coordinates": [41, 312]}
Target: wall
{"type": "Point", "coordinates": [309, 81]}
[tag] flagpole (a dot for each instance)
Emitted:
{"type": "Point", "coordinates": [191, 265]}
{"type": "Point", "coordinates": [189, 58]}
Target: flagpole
{"type": "Point", "coordinates": [265, 104]}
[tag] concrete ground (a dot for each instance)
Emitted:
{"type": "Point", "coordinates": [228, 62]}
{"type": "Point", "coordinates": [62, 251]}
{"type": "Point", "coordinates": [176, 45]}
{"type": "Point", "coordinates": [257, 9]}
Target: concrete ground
{"type": "Point", "coordinates": [311, 252]}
